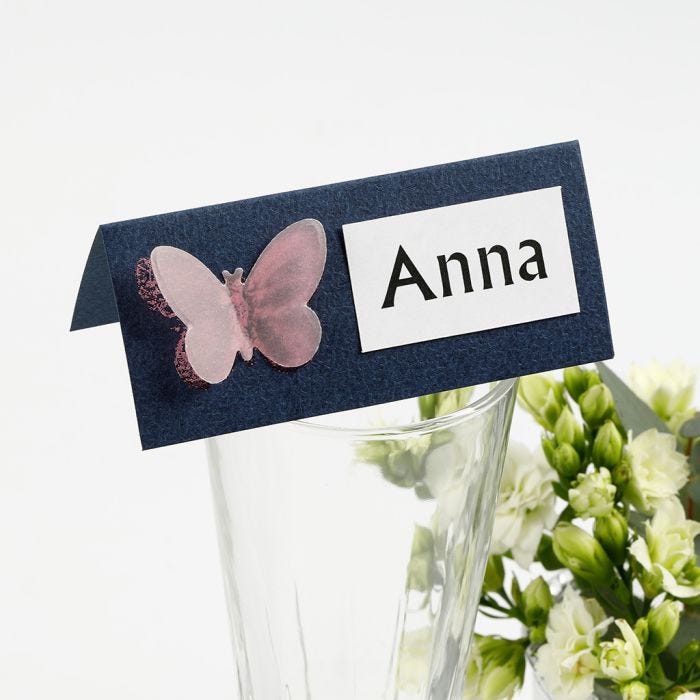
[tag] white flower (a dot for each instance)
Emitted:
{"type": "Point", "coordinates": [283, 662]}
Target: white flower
{"type": "Point", "coordinates": [568, 662]}
{"type": "Point", "coordinates": [657, 471]}
{"type": "Point", "coordinates": [593, 495]}
{"type": "Point", "coordinates": [449, 471]}
{"type": "Point", "coordinates": [688, 695]}
{"type": "Point", "coordinates": [667, 553]}
{"type": "Point", "coordinates": [668, 389]}
{"type": "Point", "coordinates": [622, 660]}
{"type": "Point", "coordinates": [414, 660]}
{"type": "Point", "coordinates": [445, 478]}
{"type": "Point", "coordinates": [525, 504]}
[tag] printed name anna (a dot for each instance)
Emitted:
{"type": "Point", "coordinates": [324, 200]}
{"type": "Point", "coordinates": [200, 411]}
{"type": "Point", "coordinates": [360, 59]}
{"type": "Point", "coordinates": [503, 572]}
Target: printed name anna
{"type": "Point", "coordinates": [406, 273]}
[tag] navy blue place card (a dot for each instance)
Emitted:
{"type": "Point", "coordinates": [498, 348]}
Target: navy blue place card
{"type": "Point", "coordinates": [331, 298]}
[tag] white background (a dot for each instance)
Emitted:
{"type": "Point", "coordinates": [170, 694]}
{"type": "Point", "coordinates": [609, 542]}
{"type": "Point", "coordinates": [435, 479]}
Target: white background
{"type": "Point", "coordinates": [109, 581]}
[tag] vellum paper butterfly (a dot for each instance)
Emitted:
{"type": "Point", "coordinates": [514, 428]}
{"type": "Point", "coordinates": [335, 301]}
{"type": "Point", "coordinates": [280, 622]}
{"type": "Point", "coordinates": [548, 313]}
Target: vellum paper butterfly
{"type": "Point", "coordinates": [268, 310]}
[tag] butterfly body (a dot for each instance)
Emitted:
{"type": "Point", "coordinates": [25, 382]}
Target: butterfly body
{"type": "Point", "coordinates": [236, 289]}
{"type": "Point", "coordinates": [267, 311]}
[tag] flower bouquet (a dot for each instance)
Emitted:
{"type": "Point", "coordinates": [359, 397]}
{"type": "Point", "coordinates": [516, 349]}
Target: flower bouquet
{"type": "Point", "coordinates": [602, 520]}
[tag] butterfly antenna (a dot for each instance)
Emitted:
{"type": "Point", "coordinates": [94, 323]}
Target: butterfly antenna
{"type": "Point", "coordinates": [237, 275]}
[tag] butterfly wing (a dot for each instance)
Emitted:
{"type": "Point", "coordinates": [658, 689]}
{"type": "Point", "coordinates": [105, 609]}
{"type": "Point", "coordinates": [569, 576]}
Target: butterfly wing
{"type": "Point", "coordinates": [203, 304]}
{"type": "Point", "coordinates": [280, 324]}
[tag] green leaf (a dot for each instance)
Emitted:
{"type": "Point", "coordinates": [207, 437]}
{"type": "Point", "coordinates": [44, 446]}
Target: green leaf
{"type": "Point", "coordinates": [656, 674]}
{"type": "Point", "coordinates": [426, 406]}
{"type": "Point", "coordinates": [691, 492]}
{"type": "Point", "coordinates": [561, 490]}
{"type": "Point", "coordinates": [693, 488]}
{"type": "Point", "coordinates": [691, 428]}
{"type": "Point", "coordinates": [669, 666]}
{"type": "Point", "coordinates": [695, 457]}
{"type": "Point", "coordinates": [688, 631]}
{"type": "Point", "coordinates": [567, 515]}
{"type": "Point", "coordinates": [634, 413]}
{"type": "Point", "coordinates": [605, 691]}
{"type": "Point", "coordinates": [637, 521]}
{"type": "Point", "coordinates": [546, 555]}
{"type": "Point", "coordinates": [423, 492]}
{"type": "Point", "coordinates": [515, 592]}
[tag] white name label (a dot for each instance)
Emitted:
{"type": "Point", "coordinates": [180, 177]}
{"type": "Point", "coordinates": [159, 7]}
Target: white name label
{"type": "Point", "coordinates": [460, 269]}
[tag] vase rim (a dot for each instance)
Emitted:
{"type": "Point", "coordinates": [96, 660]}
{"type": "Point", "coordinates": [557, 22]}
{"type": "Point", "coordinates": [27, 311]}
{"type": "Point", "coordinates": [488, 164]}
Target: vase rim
{"type": "Point", "coordinates": [428, 425]}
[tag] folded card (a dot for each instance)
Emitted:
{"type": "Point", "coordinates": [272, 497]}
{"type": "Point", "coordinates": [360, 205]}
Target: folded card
{"type": "Point", "coordinates": [351, 294]}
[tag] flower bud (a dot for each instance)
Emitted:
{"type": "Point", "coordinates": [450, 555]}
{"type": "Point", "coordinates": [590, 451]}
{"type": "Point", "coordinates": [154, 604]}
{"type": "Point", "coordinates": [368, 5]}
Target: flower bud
{"type": "Point", "coordinates": [567, 430]}
{"type": "Point", "coordinates": [536, 602]}
{"type": "Point", "coordinates": [545, 554]}
{"type": "Point", "coordinates": [515, 593]}
{"type": "Point", "coordinates": [581, 553]}
{"type": "Point", "coordinates": [503, 667]}
{"type": "Point", "coordinates": [691, 573]}
{"type": "Point", "coordinates": [373, 451]}
{"type": "Point", "coordinates": [641, 629]}
{"type": "Point", "coordinates": [607, 446]}
{"type": "Point", "coordinates": [668, 389]}
{"type": "Point", "coordinates": [593, 495]}
{"type": "Point", "coordinates": [592, 378]}
{"type": "Point", "coordinates": [678, 692]}
{"type": "Point", "coordinates": [549, 446]}
{"type": "Point", "coordinates": [494, 574]}
{"type": "Point", "coordinates": [611, 531]}
{"type": "Point", "coordinates": [402, 467]}
{"type": "Point", "coordinates": [542, 397]}
{"type": "Point", "coordinates": [426, 406]}
{"type": "Point", "coordinates": [596, 405]}
{"type": "Point", "coordinates": [538, 635]}
{"type": "Point", "coordinates": [576, 381]}
{"type": "Point", "coordinates": [566, 460]}
{"type": "Point", "coordinates": [689, 659]}
{"type": "Point", "coordinates": [690, 653]}
{"type": "Point", "coordinates": [401, 461]}
{"type": "Point", "coordinates": [444, 402]}
{"type": "Point", "coordinates": [664, 621]}
{"type": "Point", "coordinates": [652, 582]}
{"type": "Point", "coordinates": [636, 690]}
{"type": "Point", "coordinates": [500, 681]}
{"type": "Point", "coordinates": [422, 563]}
{"type": "Point", "coordinates": [621, 474]}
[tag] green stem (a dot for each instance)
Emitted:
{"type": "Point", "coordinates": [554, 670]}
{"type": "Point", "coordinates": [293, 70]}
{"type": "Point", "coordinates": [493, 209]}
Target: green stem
{"type": "Point", "coordinates": [491, 603]}
{"type": "Point", "coordinates": [613, 602]}
{"type": "Point", "coordinates": [504, 594]}
{"type": "Point", "coordinates": [493, 617]}
{"type": "Point", "coordinates": [513, 612]}
{"type": "Point", "coordinates": [690, 506]}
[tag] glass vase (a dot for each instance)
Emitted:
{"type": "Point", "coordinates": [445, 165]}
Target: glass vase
{"type": "Point", "coordinates": [353, 547]}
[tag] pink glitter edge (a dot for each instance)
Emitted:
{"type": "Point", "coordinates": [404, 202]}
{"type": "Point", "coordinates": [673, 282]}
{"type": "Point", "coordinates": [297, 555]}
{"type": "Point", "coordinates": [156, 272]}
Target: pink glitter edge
{"type": "Point", "coordinates": [150, 292]}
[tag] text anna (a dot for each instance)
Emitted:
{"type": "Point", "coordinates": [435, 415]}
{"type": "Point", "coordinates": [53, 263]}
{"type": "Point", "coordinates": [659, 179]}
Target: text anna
{"type": "Point", "coordinates": [405, 272]}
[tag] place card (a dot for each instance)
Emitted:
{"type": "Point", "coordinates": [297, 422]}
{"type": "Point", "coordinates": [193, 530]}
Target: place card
{"type": "Point", "coordinates": [331, 298]}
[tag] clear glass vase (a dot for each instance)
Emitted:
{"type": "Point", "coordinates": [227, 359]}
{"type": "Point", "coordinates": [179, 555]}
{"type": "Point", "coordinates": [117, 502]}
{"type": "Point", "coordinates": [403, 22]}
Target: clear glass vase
{"type": "Point", "coordinates": [353, 547]}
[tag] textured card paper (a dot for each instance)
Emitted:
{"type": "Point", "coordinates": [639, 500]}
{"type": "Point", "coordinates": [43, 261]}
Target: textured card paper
{"type": "Point", "coordinates": [243, 314]}
{"type": "Point", "coordinates": [463, 268]}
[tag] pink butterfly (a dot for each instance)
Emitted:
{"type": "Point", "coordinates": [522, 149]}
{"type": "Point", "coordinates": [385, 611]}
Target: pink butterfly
{"type": "Point", "coordinates": [267, 311]}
